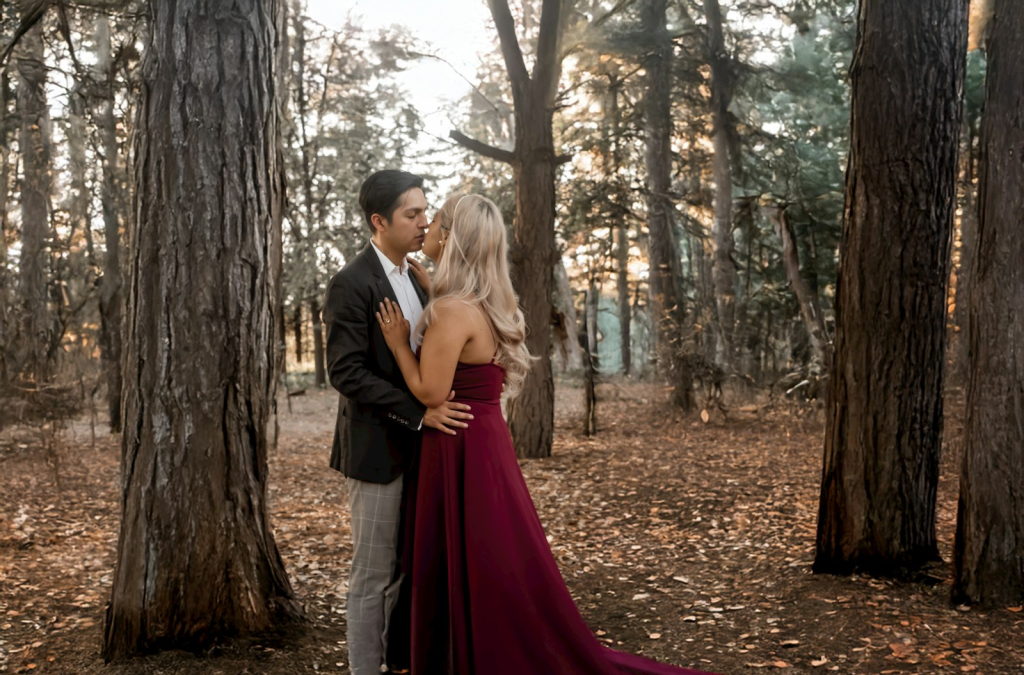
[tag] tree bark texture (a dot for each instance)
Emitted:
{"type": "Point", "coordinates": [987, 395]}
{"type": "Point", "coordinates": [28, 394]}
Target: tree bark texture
{"type": "Point", "coordinates": [666, 299]}
{"type": "Point", "coordinates": [590, 361]}
{"type": "Point", "coordinates": [531, 415]}
{"type": "Point", "coordinates": [319, 362]}
{"type": "Point", "coordinates": [565, 321]}
{"type": "Point", "coordinates": [989, 550]}
{"type": "Point", "coordinates": [196, 559]}
{"type": "Point", "coordinates": [34, 146]}
{"type": "Point", "coordinates": [884, 415]}
{"type": "Point", "coordinates": [724, 267]}
{"type": "Point", "coordinates": [810, 305]}
{"type": "Point", "coordinates": [622, 291]}
{"type": "Point", "coordinates": [611, 163]}
{"type": "Point", "coordinates": [6, 127]}
{"type": "Point", "coordinates": [111, 300]}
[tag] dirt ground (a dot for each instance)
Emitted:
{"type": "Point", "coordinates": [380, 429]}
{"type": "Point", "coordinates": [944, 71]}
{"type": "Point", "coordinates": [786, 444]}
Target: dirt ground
{"type": "Point", "coordinates": [686, 541]}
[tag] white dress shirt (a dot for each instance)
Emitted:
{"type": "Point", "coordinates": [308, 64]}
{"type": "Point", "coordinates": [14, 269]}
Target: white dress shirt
{"type": "Point", "coordinates": [401, 284]}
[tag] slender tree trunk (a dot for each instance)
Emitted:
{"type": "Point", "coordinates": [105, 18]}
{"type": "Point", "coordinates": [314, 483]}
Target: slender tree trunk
{"type": "Point", "coordinates": [77, 200]}
{"type": "Point", "coordinates": [111, 300]}
{"type": "Point", "coordinates": [884, 419]}
{"type": "Point", "coordinates": [989, 557]}
{"type": "Point", "coordinates": [196, 558]}
{"type": "Point", "coordinates": [960, 361]}
{"type": "Point", "coordinates": [810, 306]}
{"type": "Point", "coordinates": [566, 321]}
{"type": "Point", "coordinates": [592, 308]}
{"type": "Point", "coordinates": [622, 289]}
{"type": "Point", "coordinates": [724, 268]}
{"type": "Point", "coordinates": [6, 120]}
{"type": "Point", "coordinates": [621, 231]}
{"type": "Point", "coordinates": [319, 362]}
{"type": "Point", "coordinates": [667, 311]}
{"type": "Point", "coordinates": [589, 362]}
{"type": "Point", "coordinates": [297, 322]}
{"type": "Point", "coordinates": [34, 146]}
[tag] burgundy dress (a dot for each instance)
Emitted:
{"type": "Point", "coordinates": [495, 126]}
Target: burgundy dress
{"type": "Point", "coordinates": [487, 596]}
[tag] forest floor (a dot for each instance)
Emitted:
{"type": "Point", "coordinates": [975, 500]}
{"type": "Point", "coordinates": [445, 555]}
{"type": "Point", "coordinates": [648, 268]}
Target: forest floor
{"type": "Point", "coordinates": [686, 541]}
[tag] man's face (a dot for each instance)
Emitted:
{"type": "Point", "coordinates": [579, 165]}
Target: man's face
{"type": "Point", "coordinates": [408, 223]}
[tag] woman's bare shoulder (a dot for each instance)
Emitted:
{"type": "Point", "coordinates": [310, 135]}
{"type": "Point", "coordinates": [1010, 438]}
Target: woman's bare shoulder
{"type": "Point", "coordinates": [452, 307]}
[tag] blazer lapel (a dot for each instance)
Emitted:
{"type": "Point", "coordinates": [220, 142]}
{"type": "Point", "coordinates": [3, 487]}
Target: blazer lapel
{"type": "Point", "coordinates": [383, 284]}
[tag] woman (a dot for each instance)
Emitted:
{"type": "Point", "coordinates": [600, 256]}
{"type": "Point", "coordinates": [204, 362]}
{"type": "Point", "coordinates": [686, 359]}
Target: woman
{"type": "Point", "coordinates": [487, 596]}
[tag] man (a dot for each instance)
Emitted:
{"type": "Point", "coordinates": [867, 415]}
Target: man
{"type": "Point", "coordinates": [377, 434]}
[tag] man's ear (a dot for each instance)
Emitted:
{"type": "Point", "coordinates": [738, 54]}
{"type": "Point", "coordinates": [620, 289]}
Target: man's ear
{"type": "Point", "coordinates": [378, 222]}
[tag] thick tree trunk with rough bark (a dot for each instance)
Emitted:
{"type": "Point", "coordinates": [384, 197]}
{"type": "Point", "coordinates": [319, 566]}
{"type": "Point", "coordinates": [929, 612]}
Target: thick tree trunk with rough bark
{"type": "Point", "coordinates": [34, 146]}
{"type": "Point", "coordinates": [724, 268]}
{"type": "Point", "coordinates": [531, 415]}
{"type": "Point", "coordinates": [666, 298]}
{"type": "Point", "coordinates": [7, 121]}
{"type": "Point", "coordinates": [111, 300]}
{"type": "Point", "coordinates": [989, 557]}
{"type": "Point", "coordinates": [196, 559]}
{"type": "Point", "coordinates": [884, 416]}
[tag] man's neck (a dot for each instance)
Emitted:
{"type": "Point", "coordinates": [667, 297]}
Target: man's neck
{"type": "Point", "coordinates": [394, 256]}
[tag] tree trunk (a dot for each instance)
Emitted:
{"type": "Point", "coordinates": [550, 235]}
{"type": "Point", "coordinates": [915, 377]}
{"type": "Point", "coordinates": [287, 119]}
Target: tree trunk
{"type": "Point", "coordinates": [319, 366]}
{"type": "Point", "coordinates": [531, 415]}
{"type": "Point", "coordinates": [196, 559]}
{"type": "Point", "coordinates": [111, 301]}
{"type": "Point", "coordinates": [620, 229]}
{"type": "Point", "coordinates": [989, 556]}
{"type": "Point", "coordinates": [6, 120]}
{"type": "Point", "coordinates": [960, 361]}
{"type": "Point", "coordinates": [589, 365]}
{"type": "Point", "coordinates": [622, 289]}
{"type": "Point", "coordinates": [724, 268]}
{"type": "Point", "coordinates": [884, 419]}
{"type": "Point", "coordinates": [667, 311]}
{"type": "Point", "coordinates": [297, 321]}
{"type": "Point", "coordinates": [565, 321]}
{"type": "Point", "coordinates": [34, 146]}
{"type": "Point", "coordinates": [810, 306]}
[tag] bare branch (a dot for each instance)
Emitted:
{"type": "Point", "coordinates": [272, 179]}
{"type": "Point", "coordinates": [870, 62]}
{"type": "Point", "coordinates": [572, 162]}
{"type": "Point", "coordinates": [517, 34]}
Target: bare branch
{"type": "Point", "coordinates": [548, 66]}
{"type": "Point", "coordinates": [482, 148]}
{"type": "Point", "coordinates": [30, 15]}
{"type": "Point", "coordinates": [510, 49]}
{"type": "Point", "coordinates": [456, 71]}
{"type": "Point", "coordinates": [619, 6]}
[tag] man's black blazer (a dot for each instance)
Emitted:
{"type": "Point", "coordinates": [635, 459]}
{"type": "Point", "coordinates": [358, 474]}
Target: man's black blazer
{"type": "Point", "coordinates": [377, 433]}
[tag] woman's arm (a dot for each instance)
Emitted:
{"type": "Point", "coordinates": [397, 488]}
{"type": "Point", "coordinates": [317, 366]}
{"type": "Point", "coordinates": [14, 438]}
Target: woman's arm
{"type": "Point", "coordinates": [429, 379]}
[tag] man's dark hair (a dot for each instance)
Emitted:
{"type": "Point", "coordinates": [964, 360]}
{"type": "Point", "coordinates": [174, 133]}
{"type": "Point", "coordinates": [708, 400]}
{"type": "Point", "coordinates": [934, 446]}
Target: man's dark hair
{"type": "Point", "coordinates": [381, 192]}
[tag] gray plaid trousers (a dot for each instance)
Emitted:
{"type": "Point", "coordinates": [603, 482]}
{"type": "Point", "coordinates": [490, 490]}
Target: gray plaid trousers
{"type": "Point", "coordinates": [374, 582]}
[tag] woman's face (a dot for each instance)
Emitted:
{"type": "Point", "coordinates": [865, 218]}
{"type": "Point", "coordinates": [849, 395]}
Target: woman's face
{"type": "Point", "coordinates": [432, 247]}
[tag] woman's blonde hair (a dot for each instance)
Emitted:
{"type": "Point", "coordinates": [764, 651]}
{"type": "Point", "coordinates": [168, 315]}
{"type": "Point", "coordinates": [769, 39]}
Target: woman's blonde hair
{"type": "Point", "coordinates": [447, 211]}
{"type": "Point", "coordinates": [474, 269]}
